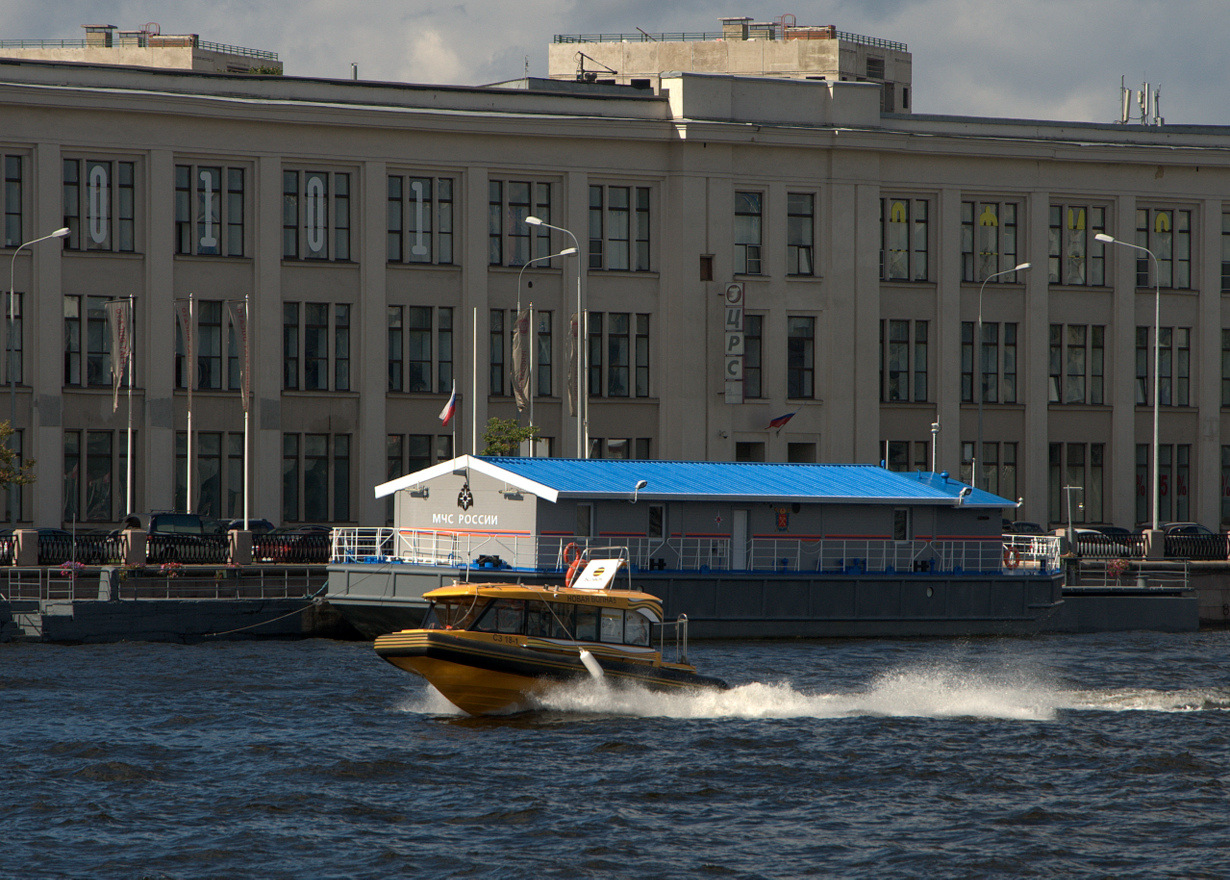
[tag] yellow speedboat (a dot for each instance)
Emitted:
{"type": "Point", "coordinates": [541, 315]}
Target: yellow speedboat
{"type": "Point", "coordinates": [489, 647]}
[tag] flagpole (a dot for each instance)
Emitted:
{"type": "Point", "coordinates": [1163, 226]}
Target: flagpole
{"type": "Point", "coordinates": [533, 356]}
{"type": "Point", "coordinates": [247, 439]}
{"type": "Point", "coordinates": [474, 387]}
{"type": "Point", "coordinates": [191, 377]}
{"type": "Point", "coordinates": [132, 369]}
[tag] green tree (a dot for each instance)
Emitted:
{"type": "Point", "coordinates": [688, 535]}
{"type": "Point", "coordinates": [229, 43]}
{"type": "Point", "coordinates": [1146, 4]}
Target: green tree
{"type": "Point", "coordinates": [12, 470]}
{"type": "Point", "coordinates": [505, 436]}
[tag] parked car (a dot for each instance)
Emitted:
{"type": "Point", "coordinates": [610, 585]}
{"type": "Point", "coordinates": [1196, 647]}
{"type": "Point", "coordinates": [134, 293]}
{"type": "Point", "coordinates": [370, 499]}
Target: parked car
{"type": "Point", "coordinates": [255, 526]}
{"type": "Point", "coordinates": [1096, 543]}
{"type": "Point", "coordinates": [178, 537]}
{"type": "Point", "coordinates": [1021, 527]}
{"type": "Point", "coordinates": [296, 545]}
{"type": "Point", "coordinates": [1191, 540]}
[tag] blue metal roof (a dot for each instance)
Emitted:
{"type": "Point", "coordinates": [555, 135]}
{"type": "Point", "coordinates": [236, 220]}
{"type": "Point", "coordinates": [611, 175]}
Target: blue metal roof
{"type": "Point", "coordinates": [848, 483]}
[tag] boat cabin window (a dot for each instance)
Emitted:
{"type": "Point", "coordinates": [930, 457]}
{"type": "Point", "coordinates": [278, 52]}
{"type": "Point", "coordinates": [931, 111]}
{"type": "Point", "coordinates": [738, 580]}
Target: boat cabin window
{"type": "Point", "coordinates": [502, 616]}
{"type": "Point", "coordinates": [556, 620]}
{"type": "Point", "coordinates": [587, 623]}
{"type": "Point", "coordinates": [612, 625]}
{"type": "Point", "coordinates": [450, 615]}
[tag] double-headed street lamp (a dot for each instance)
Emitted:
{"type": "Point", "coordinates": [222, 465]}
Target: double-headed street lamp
{"type": "Point", "coordinates": [979, 372]}
{"type": "Point", "coordinates": [8, 342]}
{"type": "Point", "coordinates": [582, 379]}
{"type": "Point", "coordinates": [1157, 361]}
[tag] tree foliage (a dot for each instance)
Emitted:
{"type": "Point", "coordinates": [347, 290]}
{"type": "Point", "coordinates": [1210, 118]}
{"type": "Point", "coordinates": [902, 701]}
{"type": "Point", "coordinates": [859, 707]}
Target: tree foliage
{"type": "Point", "coordinates": [505, 436]}
{"type": "Point", "coordinates": [12, 470]}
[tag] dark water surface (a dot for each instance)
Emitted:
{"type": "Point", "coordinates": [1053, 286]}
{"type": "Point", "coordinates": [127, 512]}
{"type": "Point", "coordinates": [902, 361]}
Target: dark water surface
{"type": "Point", "coordinates": [1064, 756]}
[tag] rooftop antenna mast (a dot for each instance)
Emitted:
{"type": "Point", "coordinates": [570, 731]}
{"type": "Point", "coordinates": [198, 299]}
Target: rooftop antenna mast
{"type": "Point", "coordinates": [590, 76]}
{"type": "Point", "coordinates": [1148, 101]}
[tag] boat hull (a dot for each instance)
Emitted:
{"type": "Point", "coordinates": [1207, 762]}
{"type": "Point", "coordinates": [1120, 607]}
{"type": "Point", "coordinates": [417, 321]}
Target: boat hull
{"type": "Point", "coordinates": [482, 677]}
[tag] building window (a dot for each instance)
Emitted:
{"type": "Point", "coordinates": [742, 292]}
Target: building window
{"type": "Point", "coordinates": [1168, 234]}
{"type": "Point", "coordinates": [209, 210]}
{"type": "Point", "coordinates": [313, 340]}
{"type": "Point", "coordinates": [642, 356]}
{"type": "Point", "coordinates": [316, 480]}
{"type": "Point", "coordinates": [613, 339]}
{"type": "Point", "coordinates": [495, 377]}
{"type": "Point", "coordinates": [543, 357]}
{"type": "Point", "coordinates": [89, 476]}
{"type": "Point", "coordinates": [316, 215]}
{"type": "Point", "coordinates": [800, 233]}
{"type": "Point", "coordinates": [800, 357]}
{"type": "Point", "coordinates": [899, 452]}
{"type": "Point", "coordinates": [87, 342]}
{"type": "Point", "coordinates": [996, 365]}
{"type": "Point", "coordinates": [747, 233]}
{"type": "Point", "coordinates": [904, 239]}
{"type": "Point", "coordinates": [1225, 367]}
{"type": "Point", "coordinates": [1175, 366]}
{"type": "Point", "coordinates": [1080, 465]}
{"type": "Point", "coordinates": [988, 241]}
{"type": "Point", "coordinates": [509, 238]}
{"type": "Point", "coordinates": [997, 467]}
{"type": "Point", "coordinates": [749, 450]}
{"type": "Point", "coordinates": [619, 228]}
{"type": "Point", "coordinates": [753, 356]}
{"type": "Point", "coordinates": [102, 193]}
{"type": "Point", "coordinates": [412, 331]}
{"type": "Point", "coordinates": [1173, 484]}
{"type": "Point", "coordinates": [15, 331]}
{"type": "Point", "coordinates": [12, 199]}
{"type": "Point", "coordinates": [1077, 258]}
{"type": "Point", "coordinates": [1225, 252]}
{"type": "Point", "coordinates": [1077, 364]}
{"type": "Point", "coordinates": [420, 220]}
{"type": "Point", "coordinates": [903, 359]}
{"type": "Point", "coordinates": [1225, 488]}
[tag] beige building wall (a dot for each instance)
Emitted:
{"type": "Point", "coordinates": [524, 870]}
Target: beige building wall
{"type": "Point", "coordinates": [693, 148]}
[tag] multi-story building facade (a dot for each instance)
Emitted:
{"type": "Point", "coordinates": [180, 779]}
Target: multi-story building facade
{"type": "Point", "coordinates": [750, 247]}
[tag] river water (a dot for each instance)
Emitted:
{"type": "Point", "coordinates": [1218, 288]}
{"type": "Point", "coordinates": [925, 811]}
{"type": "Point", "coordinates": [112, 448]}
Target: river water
{"type": "Point", "coordinates": [1058, 756]}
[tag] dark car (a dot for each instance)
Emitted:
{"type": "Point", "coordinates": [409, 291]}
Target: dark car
{"type": "Point", "coordinates": [181, 537]}
{"type": "Point", "coordinates": [1191, 540]}
{"type": "Point", "coordinates": [255, 526]}
{"type": "Point", "coordinates": [1021, 527]}
{"type": "Point", "coordinates": [294, 545]}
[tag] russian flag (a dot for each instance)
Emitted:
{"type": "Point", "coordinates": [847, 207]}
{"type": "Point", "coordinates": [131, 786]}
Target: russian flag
{"type": "Point", "coordinates": [781, 420]}
{"type": "Point", "coordinates": [446, 414]}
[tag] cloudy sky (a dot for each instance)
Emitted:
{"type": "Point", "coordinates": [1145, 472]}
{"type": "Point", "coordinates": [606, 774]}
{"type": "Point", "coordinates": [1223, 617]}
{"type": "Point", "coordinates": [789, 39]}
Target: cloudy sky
{"type": "Point", "coordinates": [1037, 59]}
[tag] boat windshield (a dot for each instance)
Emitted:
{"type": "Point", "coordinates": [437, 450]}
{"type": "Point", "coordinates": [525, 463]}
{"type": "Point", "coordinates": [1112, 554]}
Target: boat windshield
{"type": "Point", "coordinates": [451, 614]}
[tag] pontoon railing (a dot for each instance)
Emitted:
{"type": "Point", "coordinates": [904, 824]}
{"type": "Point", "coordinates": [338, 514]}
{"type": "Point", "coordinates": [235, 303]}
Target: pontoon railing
{"type": "Point", "coordinates": [1012, 555]}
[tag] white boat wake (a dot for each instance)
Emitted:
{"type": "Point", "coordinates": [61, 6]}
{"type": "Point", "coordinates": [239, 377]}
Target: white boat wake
{"type": "Point", "coordinates": [944, 692]}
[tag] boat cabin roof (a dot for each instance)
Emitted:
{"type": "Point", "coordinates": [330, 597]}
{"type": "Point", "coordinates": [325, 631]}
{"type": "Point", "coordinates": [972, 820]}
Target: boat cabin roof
{"type": "Point", "coordinates": [569, 595]}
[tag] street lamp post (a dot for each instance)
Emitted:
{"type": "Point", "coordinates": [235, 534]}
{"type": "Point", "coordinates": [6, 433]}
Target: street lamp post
{"type": "Point", "coordinates": [582, 341]}
{"type": "Point", "coordinates": [1157, 361]}
{"type": "Point", "coordinates": [977, 364]}
{"type": "Point", "coordinates": [564, 253]}
{"type": "Point", "coordinates": [8, 342]}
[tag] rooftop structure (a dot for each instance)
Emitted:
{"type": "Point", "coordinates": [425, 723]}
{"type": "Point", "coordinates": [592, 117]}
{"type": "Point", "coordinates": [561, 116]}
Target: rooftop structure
{"type": "Point", "coordinates": [743, 47]}
{"type": "Point", "coordinates": [145, 47]}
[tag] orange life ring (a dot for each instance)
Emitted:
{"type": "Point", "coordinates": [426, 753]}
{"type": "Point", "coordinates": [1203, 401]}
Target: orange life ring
{"type": "Point", "coordinates": [572, 570]}
{"type": "Point", "coordinates": [575, 554]}
{"type": "Point", "coordinates": [1012, 557]}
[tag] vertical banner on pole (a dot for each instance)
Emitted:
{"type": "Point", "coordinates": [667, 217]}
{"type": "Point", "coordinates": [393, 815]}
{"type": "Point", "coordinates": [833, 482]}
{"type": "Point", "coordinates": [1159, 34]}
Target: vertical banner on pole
{"type": "Point", "coordinates": [119, 317]}
{"type": "Point", "coordinates": [521, 359]}
{"type": "Point", "coordinates": [239, 320]}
